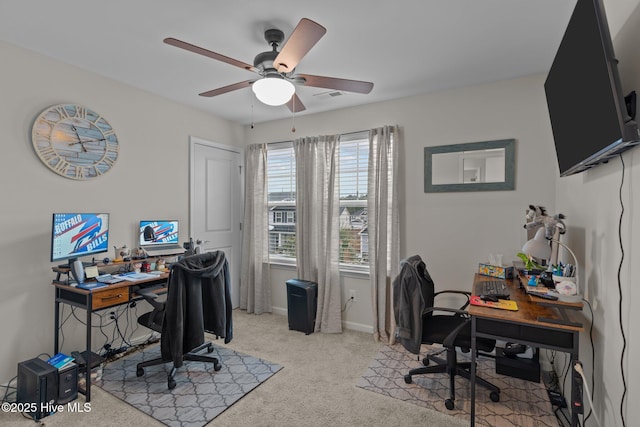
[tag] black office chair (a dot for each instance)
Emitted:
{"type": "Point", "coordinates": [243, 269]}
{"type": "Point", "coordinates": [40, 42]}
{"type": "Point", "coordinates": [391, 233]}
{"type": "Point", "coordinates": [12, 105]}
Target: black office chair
{"type": "Point", "coordinates": [198, 300]}
{"type": "Point", "coordinates": [414, 309]}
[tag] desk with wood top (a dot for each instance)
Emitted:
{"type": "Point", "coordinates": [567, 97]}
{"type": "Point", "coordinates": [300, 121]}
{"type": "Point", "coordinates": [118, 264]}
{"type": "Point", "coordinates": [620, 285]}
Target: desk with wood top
{"type": "Point", "coordinates": [537, 323]}
{"type": "Point", "coordinates": [95, 300]}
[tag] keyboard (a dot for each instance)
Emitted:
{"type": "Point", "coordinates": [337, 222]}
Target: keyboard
{"type": "Point", "coordinates": [494, 287]}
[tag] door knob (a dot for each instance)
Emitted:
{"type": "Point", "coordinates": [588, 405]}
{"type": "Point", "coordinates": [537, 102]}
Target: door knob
{"type": "Point", "coordinates": [201, 242]}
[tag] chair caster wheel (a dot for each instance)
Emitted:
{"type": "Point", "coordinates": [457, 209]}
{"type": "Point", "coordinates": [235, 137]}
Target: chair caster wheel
{"type": "Point", "coordinates": [210, 348]}
{"type": "Point", "coordinates": [494, 396]}
{"type": "Point", "coordinates": [408, 379]}
{"type": "Point", "coordinates": [171, 384]}
{"type": "Point", "coordinates": [139, 372]}
{"type": "Point", "coordinates": [426, 361]}
{"type": "Point", "coordinates": [217, 366]}
{"type": "Point", "coordinates": [449, 404]}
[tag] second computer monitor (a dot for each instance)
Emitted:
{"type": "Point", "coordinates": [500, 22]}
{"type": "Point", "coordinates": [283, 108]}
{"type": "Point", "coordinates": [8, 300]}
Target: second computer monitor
{"type": "Point", "coordinates": [158, 232]}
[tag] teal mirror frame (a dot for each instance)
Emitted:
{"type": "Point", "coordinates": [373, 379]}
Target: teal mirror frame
{"type": "Point", "coordinates": [510, 163]}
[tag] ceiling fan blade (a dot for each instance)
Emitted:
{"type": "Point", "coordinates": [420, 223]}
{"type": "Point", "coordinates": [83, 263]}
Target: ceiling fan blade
{"type": "Point", "coordinates": [202, 51]}
{"type": "Point", "coordinates": [295, 105]}
{"type": "Point", "coordinates": [302, 39]}
{"type": "Point", "coordinates": [226, 89]}
{"type": "Point", "coordinates": [338, 84]}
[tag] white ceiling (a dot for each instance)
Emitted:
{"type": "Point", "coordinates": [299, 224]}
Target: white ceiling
{"type": "Point", "coordinates": [405, 47]}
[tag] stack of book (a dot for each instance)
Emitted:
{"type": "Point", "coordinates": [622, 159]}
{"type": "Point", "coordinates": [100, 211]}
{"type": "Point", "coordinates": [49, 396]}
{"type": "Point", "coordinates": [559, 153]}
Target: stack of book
{"type": "Point", "coordinates": [60, 361]}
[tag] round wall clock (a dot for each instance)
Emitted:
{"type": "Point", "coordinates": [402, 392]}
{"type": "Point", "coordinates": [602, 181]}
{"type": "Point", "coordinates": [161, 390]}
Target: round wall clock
{"type": "Point", "coordinates": [74, 141]}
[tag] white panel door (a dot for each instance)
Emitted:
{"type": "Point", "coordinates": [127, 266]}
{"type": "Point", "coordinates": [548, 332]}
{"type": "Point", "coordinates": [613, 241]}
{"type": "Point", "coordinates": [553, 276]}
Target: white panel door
{"type": "Point", "coordinates": [216, 203]}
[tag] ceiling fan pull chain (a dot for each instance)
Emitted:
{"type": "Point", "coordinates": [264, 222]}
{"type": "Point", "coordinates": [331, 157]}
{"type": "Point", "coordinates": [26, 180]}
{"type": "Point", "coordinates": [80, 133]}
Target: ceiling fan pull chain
{"type": "Point", "coordinates": [293, 115]}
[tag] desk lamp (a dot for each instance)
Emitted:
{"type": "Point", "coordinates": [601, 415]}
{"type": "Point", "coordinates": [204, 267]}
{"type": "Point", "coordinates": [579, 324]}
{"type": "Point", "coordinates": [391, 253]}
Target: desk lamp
{"type": "Point", "coordinates": [539, 247]}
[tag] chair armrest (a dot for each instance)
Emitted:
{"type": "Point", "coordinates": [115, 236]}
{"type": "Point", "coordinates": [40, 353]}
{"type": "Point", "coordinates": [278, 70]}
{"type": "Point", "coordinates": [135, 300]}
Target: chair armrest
{"type": "Point", "coordinates": [151, 298]}
{"type": "Point", "coordinates": [462, 313]}
{"type": "Point", "coordinates": [146, 294]}
{"type": "Point", "coordinates": [465, 293]}
{"type": "Point", "coordinates": [451, 337]}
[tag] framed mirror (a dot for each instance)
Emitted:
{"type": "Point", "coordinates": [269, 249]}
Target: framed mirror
{"type": "Point", "coordinates": [474, 166]}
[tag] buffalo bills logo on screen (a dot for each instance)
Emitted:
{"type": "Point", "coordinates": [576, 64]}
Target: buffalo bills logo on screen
{"type": "Point", "coordinates": [79, 234]}
{"type": "Point", "coordinates": [156, 232]}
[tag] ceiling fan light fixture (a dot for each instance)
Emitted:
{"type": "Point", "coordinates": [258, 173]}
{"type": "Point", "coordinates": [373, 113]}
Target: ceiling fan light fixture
{"type": "Point", "coordinates": [273, 90]}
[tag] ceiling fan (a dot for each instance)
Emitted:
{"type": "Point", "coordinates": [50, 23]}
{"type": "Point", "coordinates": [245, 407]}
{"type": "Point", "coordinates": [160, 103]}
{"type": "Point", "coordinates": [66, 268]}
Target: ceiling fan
{"type": "Point", "coordinates": [276, 85]}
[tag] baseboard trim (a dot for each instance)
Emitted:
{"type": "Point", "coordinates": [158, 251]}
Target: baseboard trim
{"type": "Point", "coordinates": [280, 311]}
{"type": "Point", "coordinates": [353, 326]}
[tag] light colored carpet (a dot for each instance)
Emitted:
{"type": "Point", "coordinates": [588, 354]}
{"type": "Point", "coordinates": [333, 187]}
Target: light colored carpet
{"type": "Point", "coordinates": [522, 403]}
{"type": "Point", "coordinates": [316, 387]}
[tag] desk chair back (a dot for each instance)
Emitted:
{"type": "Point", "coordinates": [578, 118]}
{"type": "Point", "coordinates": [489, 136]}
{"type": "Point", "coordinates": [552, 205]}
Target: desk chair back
{"type": "Point", "coordinates": [414, 298]}
{"type": "Point", "coordinates": [198, 301]}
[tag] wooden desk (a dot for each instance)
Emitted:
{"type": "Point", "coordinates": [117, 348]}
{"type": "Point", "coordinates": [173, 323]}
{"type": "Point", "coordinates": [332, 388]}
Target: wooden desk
{"type": "Point", "coordinates": [537, 323]}
{"type": "Point", "coordinates": [96, 300]}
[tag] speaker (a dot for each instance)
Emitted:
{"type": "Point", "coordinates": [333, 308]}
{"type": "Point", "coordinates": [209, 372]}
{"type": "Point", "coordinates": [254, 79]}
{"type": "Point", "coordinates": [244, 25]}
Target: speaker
{"type": "Point", "coordinates": [68, 384]}
{"type": "Point", "coordinates": [37, 386]}
{"type": "Point", "coordinates": [77, 269]}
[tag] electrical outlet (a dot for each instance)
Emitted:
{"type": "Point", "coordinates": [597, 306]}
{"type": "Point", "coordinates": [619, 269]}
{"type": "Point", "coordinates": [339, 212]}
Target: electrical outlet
{"type": "Point", "coordinates": [352, 295]}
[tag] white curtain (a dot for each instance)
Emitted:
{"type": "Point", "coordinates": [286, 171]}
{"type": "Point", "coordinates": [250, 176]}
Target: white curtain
{"type": "Point", "coordinates": [383, 227]}
{"type": "Point", "coordinates": [255, 288]}
{"type": "Point", "coordinates": [317, 225]}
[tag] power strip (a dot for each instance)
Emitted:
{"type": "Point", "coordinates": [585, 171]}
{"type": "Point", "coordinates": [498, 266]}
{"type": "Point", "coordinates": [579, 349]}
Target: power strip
{"type": "Point", "coordinates": [576, 392]}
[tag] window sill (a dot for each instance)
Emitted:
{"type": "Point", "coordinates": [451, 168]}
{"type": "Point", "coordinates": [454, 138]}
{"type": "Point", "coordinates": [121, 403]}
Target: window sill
{"type": "Point", "coordinates": [345, 270]}
{"type": "Point", "coordinates": [288, 265]}
{"type": "Point", "coordinates": [359, 272]}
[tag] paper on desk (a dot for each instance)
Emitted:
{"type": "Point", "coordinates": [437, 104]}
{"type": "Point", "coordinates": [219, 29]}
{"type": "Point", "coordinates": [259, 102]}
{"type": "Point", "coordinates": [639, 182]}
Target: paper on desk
{"type": "Point", "coordinates": [134, 277]}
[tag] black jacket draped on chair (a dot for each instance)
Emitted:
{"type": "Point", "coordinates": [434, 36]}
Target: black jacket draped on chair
{"type": "Point", "coordinates": [198, 301]}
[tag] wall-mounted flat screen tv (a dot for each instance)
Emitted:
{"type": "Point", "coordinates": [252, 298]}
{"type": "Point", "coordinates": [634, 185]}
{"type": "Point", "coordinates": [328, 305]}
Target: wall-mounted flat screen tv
{"type": "Point", "coordinates": [586, 105]}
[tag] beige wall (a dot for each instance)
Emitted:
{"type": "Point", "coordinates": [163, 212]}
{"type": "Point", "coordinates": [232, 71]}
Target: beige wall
{"type": "Point", "coordinates": [149, 180]}
{"type": "Point", "coordinates": [453, 232]}
{"type": "Point", "coordinates": [591, 201]}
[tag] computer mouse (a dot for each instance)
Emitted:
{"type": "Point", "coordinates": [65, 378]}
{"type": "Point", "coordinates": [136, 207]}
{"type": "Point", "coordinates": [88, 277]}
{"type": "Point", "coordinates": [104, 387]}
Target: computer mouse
{"type": "Point", "coordinates": [492, 298]}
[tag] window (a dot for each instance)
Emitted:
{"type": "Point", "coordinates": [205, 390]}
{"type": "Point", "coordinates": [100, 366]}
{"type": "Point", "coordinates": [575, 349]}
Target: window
{"type": "Point", "coordinates": [352, 176]}
{"type": "Point", "coordinates": [352, 181]}
{"type": "Point", "coordinates": [281, 199]}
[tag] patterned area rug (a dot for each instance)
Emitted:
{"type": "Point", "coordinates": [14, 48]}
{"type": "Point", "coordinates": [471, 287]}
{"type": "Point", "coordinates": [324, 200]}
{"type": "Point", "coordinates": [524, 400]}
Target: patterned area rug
{"type": "Point", "coordinates": [522, 403]}
{"type": "Point", "coordinates": [201, 394]}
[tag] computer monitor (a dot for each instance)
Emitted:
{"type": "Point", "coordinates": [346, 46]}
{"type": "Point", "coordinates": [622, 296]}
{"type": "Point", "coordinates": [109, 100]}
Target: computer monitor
{"type": "Point", "coordinates": [158, 232]}
{"type": "Point", "coordinates": [75, 235]}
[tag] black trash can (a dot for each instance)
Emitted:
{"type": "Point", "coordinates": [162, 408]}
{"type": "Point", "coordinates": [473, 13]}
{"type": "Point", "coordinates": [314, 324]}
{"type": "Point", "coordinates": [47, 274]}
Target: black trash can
{"type": "Point", "coordinates": [302, 302]}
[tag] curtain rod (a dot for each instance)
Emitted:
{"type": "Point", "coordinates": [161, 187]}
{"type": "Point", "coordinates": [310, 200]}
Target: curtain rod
{"type": "Point", "coordinates": [341, 134]}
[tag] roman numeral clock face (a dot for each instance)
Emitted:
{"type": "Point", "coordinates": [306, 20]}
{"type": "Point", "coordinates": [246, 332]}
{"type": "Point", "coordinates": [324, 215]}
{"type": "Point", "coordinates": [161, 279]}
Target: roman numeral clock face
{"type": "Point", "coordinates": [74, 141]}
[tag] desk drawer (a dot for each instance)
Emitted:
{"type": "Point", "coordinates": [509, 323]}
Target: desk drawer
{"type": "Point", "coordinates": [535, 335]}
{"type": "Point", "coordinates": [109, 297]}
